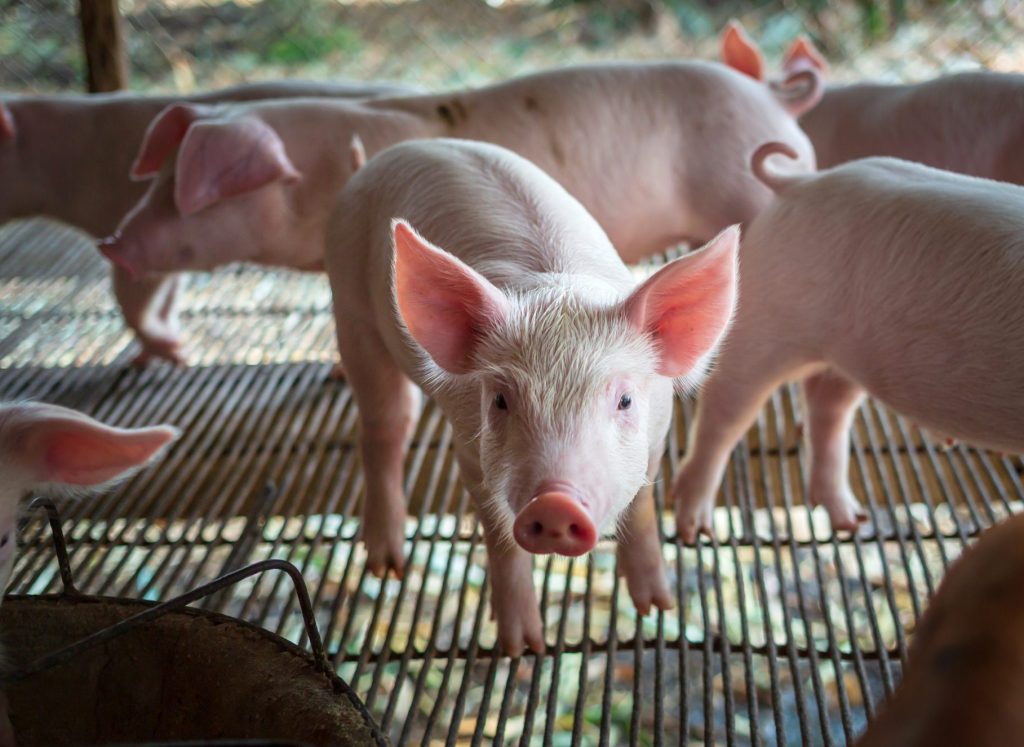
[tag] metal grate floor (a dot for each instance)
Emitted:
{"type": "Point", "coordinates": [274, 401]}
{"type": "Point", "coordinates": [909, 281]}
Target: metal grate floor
{"type": "Point", "coordinates": [784, 633]}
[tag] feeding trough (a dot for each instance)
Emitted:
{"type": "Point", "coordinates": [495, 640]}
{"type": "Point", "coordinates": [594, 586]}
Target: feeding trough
{"type": "Point", "coordinates": [96, 670]}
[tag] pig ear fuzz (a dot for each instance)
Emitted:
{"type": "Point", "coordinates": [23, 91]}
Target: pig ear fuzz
{"type": "Point", "coordinates": [740, 52]}
{"type": "Point", "coordinates": [64, 448]}
{"type": "Point", "coordinates": [445, 304]}
{"type": "Point", "coordinates": [7, 131]}
{"type": "Point", "coordinates": [686, 307]}
{"type": "Point", "coordinates": [163, 135]}
{"type": "Point", "coordinates": [218, 160]}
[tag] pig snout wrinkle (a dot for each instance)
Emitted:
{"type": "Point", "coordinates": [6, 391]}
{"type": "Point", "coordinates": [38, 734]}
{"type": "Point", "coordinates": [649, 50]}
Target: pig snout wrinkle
{"type": "Point", "coordinates": [555, 523]}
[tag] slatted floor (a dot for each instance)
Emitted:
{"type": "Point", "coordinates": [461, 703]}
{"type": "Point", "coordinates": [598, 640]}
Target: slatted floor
{"type": "Point", "coordinates": [784, 633]}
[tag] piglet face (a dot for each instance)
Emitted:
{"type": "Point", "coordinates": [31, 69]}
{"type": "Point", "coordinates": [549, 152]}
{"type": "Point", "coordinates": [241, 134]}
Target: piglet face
{"type": "Point", "coordinates": [50, 447]}
{"type": "Point", "coordinates": [220, 190]}
{"type": "Point", "coordinates": [574, 383]}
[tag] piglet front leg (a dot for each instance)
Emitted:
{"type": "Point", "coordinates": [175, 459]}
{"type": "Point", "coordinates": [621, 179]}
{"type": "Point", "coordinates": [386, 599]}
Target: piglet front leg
{"type": "Point", "coordinates": [149, 307]}
{"type": "Point", "coordinates": [640, 559]}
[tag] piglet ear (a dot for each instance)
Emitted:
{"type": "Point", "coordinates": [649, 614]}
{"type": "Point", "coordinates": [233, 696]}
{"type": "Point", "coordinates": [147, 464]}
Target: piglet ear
{"type": "Point", "coordinates": [7, 130]}
{"type": "Point", "coordinates": [446, 305]}
{"type": "Point", "coordinates": [686, 306]}
{"type": "Point", "coordinates": [163, 135]}
{"type": "Point", "coordinates": [218, 160]}
{"type": "Point", "coordinates": [803, 55]}
{"type": "Point", "coordinates": [740, 52]}
{"type": "Point", "coordinates": [62, 447]}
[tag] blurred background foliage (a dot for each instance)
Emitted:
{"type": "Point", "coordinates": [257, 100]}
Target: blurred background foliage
{"type": "Point", "coordinates": [180, 45]}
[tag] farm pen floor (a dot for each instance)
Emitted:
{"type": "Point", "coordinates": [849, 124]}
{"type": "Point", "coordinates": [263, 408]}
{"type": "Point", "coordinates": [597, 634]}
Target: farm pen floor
{"type": "Point", "coordinates": [784, 633]}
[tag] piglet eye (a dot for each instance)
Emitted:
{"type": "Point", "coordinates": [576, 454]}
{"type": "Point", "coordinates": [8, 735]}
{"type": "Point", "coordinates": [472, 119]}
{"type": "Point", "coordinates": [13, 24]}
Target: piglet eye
{"type": "Point", "coordinates": [625, 401]}
{"type": "Point", "coordinates": [499, 401]}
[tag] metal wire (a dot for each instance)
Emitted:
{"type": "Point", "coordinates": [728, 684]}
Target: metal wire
{"type": "Point", "coordinates": [784, 632]}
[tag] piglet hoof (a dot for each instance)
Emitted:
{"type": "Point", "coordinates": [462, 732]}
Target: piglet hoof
{"type": "Point", "coordinates": [385, 545]}
{"type": "Point", "coordinates": [520, 630]}
{"type": "Point", "coordinates": [337, 372]}
{"type": "Point", "coordinates": [644, 571]}
{"type": "Point", "coordinates": [384, 557]}
{"type": "Point", "coordinates": [844, 511]}
{"type": "Point", "coordinates": [691, 522]}
{"type": "Point", "coordinates": [166, 350]}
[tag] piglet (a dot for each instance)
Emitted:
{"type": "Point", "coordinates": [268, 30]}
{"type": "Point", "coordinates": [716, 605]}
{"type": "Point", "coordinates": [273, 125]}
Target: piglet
{"type": "Point", "coordinates": [45, 447]}
{"type": "Point", "coordinates": [513, 310]}
{"type": "Point", "coordinates": [964, 679]}
{"type": "Point", "coordinates": [224, 187]}
{"type": "Point", "coordinates": [879, 275]}
{"type": "Point", "coordinates": [682, 174]}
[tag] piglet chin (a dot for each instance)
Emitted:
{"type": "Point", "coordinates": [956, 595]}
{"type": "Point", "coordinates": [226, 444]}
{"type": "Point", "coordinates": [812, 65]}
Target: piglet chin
{"type": "Point", "coordinates": [555, 521]}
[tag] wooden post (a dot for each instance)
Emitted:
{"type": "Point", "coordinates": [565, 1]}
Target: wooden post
{"type": "Point", "coordinates": [104, 45]}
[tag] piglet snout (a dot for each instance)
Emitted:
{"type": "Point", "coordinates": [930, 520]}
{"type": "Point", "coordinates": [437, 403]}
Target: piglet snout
{"type": "Point", "coordinates": [110, 247]}
{"type": "Point", "coordinates": [555, 522]}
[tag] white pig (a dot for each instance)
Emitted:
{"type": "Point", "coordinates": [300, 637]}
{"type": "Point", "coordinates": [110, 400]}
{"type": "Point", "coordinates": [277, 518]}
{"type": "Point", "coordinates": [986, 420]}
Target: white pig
{"type": "Point", "coordinates": [513, 310]}
{"type": "Point", "coordinates": [46, 447]}
{"type": "Point", "coordinates": [899, 279]}
{"type": "Point", "coordinates": [657, 152]}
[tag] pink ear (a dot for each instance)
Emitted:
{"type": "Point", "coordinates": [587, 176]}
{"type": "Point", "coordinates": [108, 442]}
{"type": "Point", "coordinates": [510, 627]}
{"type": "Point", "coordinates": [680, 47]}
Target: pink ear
{"type": "Point", "coordinates": [686, 306]}
{"type": "Point", "coordinates": [218, 160]}
{"type": "Point", "coordinates": [446, 305]}
{"type": "Point", "coordinates": [7, 130]}
{"type": "Point", "coordinates": [163, 135]}
{"type": "Point", "coordinates": [803, 55]}
{"type": "Point", "coordinates": [63, 447]}
{"type": "Point", "coordinates": [800, 91]}
{"type": "Point", "coordinates": [739, 51]}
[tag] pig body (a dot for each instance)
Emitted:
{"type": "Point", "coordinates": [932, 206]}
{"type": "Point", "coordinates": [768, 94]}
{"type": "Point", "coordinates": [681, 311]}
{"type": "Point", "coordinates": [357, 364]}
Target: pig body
{"type": "Point", "coordinates": [972, 123]}
{"type": "Point", "coordinates": [656, 152]}
{"type": "Point", "coordinates": [964, 678]}
{"type": "Point", "coordinates": [879, 275]}
{"type": "Point", "coordinates": [555, 371]}
{"type": "Point", "coordinates": [68, 157]}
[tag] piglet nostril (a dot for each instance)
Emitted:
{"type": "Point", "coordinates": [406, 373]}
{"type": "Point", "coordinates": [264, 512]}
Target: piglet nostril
{"type": "Point", "coordinates": [536, 529]}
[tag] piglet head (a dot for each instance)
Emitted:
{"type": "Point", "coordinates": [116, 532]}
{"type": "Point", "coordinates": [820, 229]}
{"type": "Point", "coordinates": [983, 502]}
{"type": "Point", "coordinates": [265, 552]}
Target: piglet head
{"type": "Point", "coordinates": [218, 192]}
{"type": "Point", "coordinates": [49, 447]}
{"type": "Point", "coordinates": [574, 382]}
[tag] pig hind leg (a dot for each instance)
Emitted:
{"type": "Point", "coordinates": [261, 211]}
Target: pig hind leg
{"type": "Point", "coordinates": [387, 403]}
{"type": "Point", "coordinates": [831, 400]}
{"type": "Point", "coordinates": [751, 366]}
